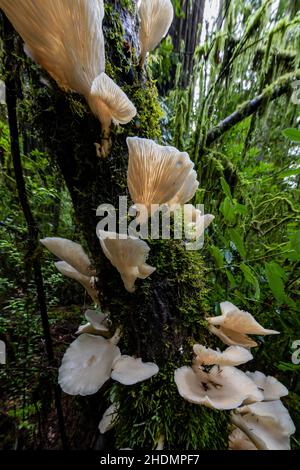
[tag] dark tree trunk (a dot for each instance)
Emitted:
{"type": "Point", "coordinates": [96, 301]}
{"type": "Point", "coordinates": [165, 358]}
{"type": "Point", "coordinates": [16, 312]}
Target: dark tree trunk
{"type": "Point", "coordinates": [185, 33]}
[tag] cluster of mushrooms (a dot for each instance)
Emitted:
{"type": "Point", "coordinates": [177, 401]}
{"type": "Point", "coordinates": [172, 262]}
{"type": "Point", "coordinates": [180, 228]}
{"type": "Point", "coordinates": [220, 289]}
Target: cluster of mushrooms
{"type": "Point", "coordinates": [65, 37]}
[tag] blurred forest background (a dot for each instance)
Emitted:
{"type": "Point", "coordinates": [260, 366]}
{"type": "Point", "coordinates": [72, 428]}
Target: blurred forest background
{"type": "Point", "coordinates": [224, 75]}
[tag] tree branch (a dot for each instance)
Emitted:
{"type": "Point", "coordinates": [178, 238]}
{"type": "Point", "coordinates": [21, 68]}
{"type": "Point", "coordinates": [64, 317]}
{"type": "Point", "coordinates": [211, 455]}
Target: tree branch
{"type": "Point", "coordinates": [275, 90]}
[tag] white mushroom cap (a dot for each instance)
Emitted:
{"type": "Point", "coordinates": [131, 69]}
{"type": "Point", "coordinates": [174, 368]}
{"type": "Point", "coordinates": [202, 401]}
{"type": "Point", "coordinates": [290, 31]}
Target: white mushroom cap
{"type": "Point", "coordinates": [70, 252]}
{"type": "Point", "coordinates": [238, 440]}
{"type": "Point", "coordinates": [97, 323]}
{"type": "Point", "coordinates": [232, 338]}
{"type": "Point", "coordinates": [223, 388]}
{"type": "Point", "coordinates": [109, 102]}
{"type": "Point", "coordinates": [267, 424]}
{"type": "Point", "coordinates": [129, 371]}
{"type": "Point", "coordinates": [234, 319]}
{"type": "Point", "coordinates": [156, 173]}
{"type": "Point", "coordinates": [64, 37]}
{"type": "Point", "coordinates": [67, 270]}
{"type": "Point", "coordinates": [232, 356]}
{"type": "Point", "coordinates": [128, 255]}
{"type": "Point", "coordinates": [187, 190]}
{"type": "Point", "coordinates": [87, 364]}
{"type": "Point", "coordinates": [156, 17]}
{"type": "Point", "coordinates": [108, 420]}
{"type": "Point", "coordinates": [271, 387]}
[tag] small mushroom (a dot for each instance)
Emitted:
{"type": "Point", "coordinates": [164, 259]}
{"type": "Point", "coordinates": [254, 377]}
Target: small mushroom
{"type": "Point", "coordinates": [111, 105]}
{"type": "Point", "coordinates": [97, 324]}
{"type": "Point", "coordinates": [129, 371]}
{"type": "Point", "coordinates": [156, 174]}
{"type": "Point", "coordinates": [238, 440]}
{"type": "Point", "coordinates": [128, 255]}
{"type": "Point", "coordinates": [271, 387]}
{"type": "Point", "coordinates": [68, 270]}
{"type": "Point", "coordinates": [232, 356]}
{"type": "Point", "coordinates": [156, 17]}
{"type": "Point", "coordinates": [70, 252]}
{"type": "Point", "coordinates": [267, 424]}
{"type": "Point", "coordinates": [235, 324]}
{"type": "Point", "coordinates": [108, 419]}
{"type": "Point", "coordinates": [222, 388]}
{"type": "Point", "coordinates": [87, 364]}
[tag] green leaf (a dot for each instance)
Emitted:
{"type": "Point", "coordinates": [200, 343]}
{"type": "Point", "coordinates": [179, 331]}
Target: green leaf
{"type": "Point", "coordinates": [227, 209]}
{"type": "Point", "coordinates": [292, 134]}
{"type": "Point", "coordinates": [238, 241]}
{"type": "Point", "coordinates": [294, 246]}
{"type": "Point", "coordinates": [274, 275]}
{"type": "Point", "coordinates": [225, 187]}
{"type": "Point", "coordinates": [230, 278]}
{"type": "Point", "coordinates": [218, 255]}
{"type": "Point", "coordinates": [251, 278]}
{"type": "Point", "coordinates": [291, 172]}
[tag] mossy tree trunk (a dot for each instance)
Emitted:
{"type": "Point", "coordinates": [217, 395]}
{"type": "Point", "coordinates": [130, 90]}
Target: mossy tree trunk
{"type": "Point", "coordinates": [165, 315]}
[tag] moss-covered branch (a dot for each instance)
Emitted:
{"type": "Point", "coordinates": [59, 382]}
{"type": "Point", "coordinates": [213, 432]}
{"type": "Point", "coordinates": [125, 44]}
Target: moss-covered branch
{"type": "Point", "coordinates": [279, 88]}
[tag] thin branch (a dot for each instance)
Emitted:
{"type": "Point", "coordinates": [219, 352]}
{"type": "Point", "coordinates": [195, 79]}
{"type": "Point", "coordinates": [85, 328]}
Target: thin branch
{"type": "Point", "coordinates": [12, 89]}
{"type": "Point", "coordinates": [270, 93]}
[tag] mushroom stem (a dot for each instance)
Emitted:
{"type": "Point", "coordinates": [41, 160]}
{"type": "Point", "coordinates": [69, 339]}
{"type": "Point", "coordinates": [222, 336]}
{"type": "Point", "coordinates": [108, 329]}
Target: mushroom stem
{"type": "Point", "coordinates": [160, 442]}
{"type": "Point", "coordinates": [105, 141]}
{"type": "Point", "coordinates": [116, 337]}
{"type": "Point", "coordinates": [239, 423]}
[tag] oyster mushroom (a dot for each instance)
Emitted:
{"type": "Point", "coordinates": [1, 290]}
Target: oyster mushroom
{"type": "Point", "coordinates": [267, 424]}
{"type": "Point", "coordinates": [97, 324]}
{"type": "Point", "coordinates": [222, 388]}
{"type": "Point", "coordinates": [232, 356]}
{"type": "Point", "coordinates": [108, 419]}
{"type": "Point", "coordinates": [68, 270]}
{"type": "Point", "coordinates": [238, 440]}
{"type": "Point", "coordinates": [129, 370]}
{"type": "Point", "coordinates": [156, 17]}
{"type": "Point", "coordinates": [70, 252]}
{"type": "Point", "coordinates": [157, 174]}
{"type": "Point", "coordinates": [87, 364]}
{"type": "Point", "coordinates": [271, 387]}
{"type": "Point", "coordinates": [233, 326]}
{"type": "Point", "coordinates": [128, 255]}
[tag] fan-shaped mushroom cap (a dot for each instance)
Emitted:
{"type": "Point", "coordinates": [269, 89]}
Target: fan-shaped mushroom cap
{"type": "Point", "coordinates": [267, 424]}
{"type": "Point", "coordinates": [156, 17]}
{"type": "Point", "coordinates": [67, 270]}
{"type": "Point", "coordinates": [223, 388]}
{"type": "Point", "coordinates": [271, 387]}
{"type": "Point", "coordinates": [187, 190]}
{"type": "Point", "coordinates": [156, 173]}
{"type": "Point", "coordinates": [97, 324]}
{"type": "Point", "coordinates": [232, 338]}
{"type": "Point", "coordinates": [108, 419]}
{"type": "Point", "coordinates": [64, 37]}
{"type": "Point", "coordinates": [70, 252]}
{"type": "Point", "coordinates": [238, 440]}
{"type": "Point", "coordinates": [129, 371]}
{"type": "Point", "coordinates": [234, 319]}
{"type": "Point", "coordinates": [232, 356]}
{"type": "Point", "coordinates": [87, 364]}
{"type": "Point", "coordinates": [109, 102]}
{"type": "Point", "coordinates": [128, 255]}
